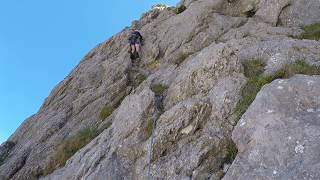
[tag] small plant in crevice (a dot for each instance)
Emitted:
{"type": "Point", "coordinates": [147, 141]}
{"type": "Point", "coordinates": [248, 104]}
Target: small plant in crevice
{"type": "Point", "coordinates": [105, 112]}
{"type": "Point", "coordinates": [158, 89]}
{"type": "Point", "coordinates": [231, 150]}
{"type": "Point", "coordinates": [140, 78]}
{"type": "Point", "coordinates": [154, 64]}
{"type": "Point", "coordinates": [311, 32]}
{"type": "Point", "coordinates": [105, 126]}
{"type": "Point", "coordinates": [252, 70]}
{"type": "Point", "coordinates": [180, 9]}
{"type": "Point", "coordinates": [182, 58]}
{"type": "Point", "coordinates": [148, 128]}
{"type": "Point", "coordinates": [256, 80]}
{"type": "Point", "coordinates": [69, 147]}
{"type": "Point", "coordinates": [253, 67]}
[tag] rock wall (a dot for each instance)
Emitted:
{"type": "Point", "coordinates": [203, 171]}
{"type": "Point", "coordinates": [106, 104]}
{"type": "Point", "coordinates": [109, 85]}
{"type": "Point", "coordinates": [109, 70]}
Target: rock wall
{"type": "Point", "coordinates": [192, 136]}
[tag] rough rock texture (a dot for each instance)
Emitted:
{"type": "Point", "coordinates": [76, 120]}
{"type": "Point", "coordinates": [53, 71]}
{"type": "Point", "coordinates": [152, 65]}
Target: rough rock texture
{"type": "Point", "coordinates": [210, 39]}
{"type": "Point", "coordinates": [279, 135]}
{"type": "Point", "coordinates": [299, 12]}
{"type": "Point", "coordinates": [5, 149]}
{"type": "Point", "coordinates": [116, 149]}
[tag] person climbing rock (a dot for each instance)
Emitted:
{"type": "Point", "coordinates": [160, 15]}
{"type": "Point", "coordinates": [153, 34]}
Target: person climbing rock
{"type": "Point", "coordinates": [135, 41]}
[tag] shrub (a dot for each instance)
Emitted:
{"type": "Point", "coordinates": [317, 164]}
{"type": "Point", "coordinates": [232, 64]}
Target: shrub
{"type": "Point", "coordinates": [69, 147]}
{"type": "Point", "coordinates": [311, 32]}
{"type": "Point", "coordinates": [180, 9]}
{"type": "Point", "coordinates": [253, 71]}
{"type": "Point", "coordinates": [181, 58]}
{"type": "Point", "coordinates": [158, 89]}
{"type": "Point", "coordinates": [105, 112]}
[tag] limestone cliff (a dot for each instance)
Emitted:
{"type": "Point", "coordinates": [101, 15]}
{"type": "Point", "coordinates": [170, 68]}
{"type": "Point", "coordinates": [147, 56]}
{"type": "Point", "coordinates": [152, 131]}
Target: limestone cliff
{"type": "Point", "coordinates": [175, 114]}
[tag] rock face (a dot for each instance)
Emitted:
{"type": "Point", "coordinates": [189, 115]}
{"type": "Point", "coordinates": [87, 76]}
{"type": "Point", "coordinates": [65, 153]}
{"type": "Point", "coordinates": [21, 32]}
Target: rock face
{"type": "Point", "coordinates": [196, 55]}
{"type": "Point", "coordinates": [279, 135]}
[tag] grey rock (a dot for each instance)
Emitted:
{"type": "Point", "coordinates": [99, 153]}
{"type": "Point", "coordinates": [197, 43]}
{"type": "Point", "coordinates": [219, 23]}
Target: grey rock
{"type": "Point", "coordinates": [269, 10]}
{"type": "Point", "coordinates": [214, 36]}
{"type": "Point", "coordinates": [200, 74]}
{"type": "Point", "coordinates": [278, 137]}
{"type": "Point", "coordinates": [300, 13]}
{"type": "Point", "coordinates": [112, 154]}
{"type": "Point", "coordinates": [276, 12]}
{"type": "Point", "coordinates": [93, 83]}
{"type": "Point", "coordinates": [5, 149]}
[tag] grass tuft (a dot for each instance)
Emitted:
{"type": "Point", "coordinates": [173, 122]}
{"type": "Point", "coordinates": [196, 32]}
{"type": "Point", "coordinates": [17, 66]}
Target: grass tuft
{"type": "Point", "coordinates": [182, 58]}
{"type": "Point", "coordinates": [154, 65]}
{"type": "Point", "coordinates": [105, 112]}
{"type": "Point", "coordinates": [69, 147]}
{"type": "Point", "coordinates": [158, 89]}
{"type": "Point", "coordinates": [148, 128]}
{"type": "Point", "coordinates": [231, 151]}
{"type": "Point", "coordinates": [140, 78]}
{"type": "Point", "coordinates": [253, 67]}
{"type": "Point", "coordinates": [311, 32]}
{"type": "Point", "coordinates": [105, 126]}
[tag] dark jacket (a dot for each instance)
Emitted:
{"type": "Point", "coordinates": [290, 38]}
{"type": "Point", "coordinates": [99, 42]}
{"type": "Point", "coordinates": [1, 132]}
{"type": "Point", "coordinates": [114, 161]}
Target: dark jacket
{"type": "Point", "coordinates": [135, 38]}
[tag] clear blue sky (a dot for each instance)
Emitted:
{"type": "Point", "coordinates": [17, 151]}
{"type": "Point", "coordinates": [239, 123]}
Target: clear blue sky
{"type": "Point", "coordinates": [41, 41]}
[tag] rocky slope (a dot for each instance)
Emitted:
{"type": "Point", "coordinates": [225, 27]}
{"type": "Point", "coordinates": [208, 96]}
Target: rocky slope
{"type": "Point", "coordinates": [196, 57]}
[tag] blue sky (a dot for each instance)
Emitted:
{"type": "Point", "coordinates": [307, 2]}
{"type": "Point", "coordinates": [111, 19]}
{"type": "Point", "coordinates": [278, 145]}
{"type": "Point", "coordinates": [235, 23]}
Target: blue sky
{"type": "Point", "coordinates": [41, 41]}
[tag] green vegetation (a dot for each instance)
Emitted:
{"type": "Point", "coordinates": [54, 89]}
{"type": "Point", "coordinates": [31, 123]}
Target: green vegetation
{"type": "Point", "coordinates": [180, 9]}
{"type": "Point", "coordinates": [253, 68]}
{"type": "Point", "coordinates": [148, 128]}
{"type": "Point", "coordinates": [158, 89]}
{"type": "Point", "coordinates": [140, 78]}
{"type": "Point", "coordinates": [69, 147]}
{"type": "Point", "coordinates": [311, 32]}
{"type": "Point", "coordinates": [154, 65]}
{"type": "Point", "coordinates": [181, 58]}
{"type": "Point", "coordinates": [105, 126]}
{"type": "Point", "coordinates": [105, 112]}
{"type": "Point", "coordinates": [231, 150]}
{"type": "Point", "coordinates": [256, 80]}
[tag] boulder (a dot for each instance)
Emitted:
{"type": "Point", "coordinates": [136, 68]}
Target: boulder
{"type": "Point", "coordinates": [279, 135]}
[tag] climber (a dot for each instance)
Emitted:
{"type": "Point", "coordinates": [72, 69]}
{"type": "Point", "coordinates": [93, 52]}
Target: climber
{"type": "Point", "coordinates": [135, 41]}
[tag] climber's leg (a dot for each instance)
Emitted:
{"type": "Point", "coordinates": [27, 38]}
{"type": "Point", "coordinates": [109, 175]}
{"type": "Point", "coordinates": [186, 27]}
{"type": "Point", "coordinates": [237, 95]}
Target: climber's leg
{"type": "Point", "coordinates": [137, 46]}
{"type": "Point", "coordinates": [133, 49]}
